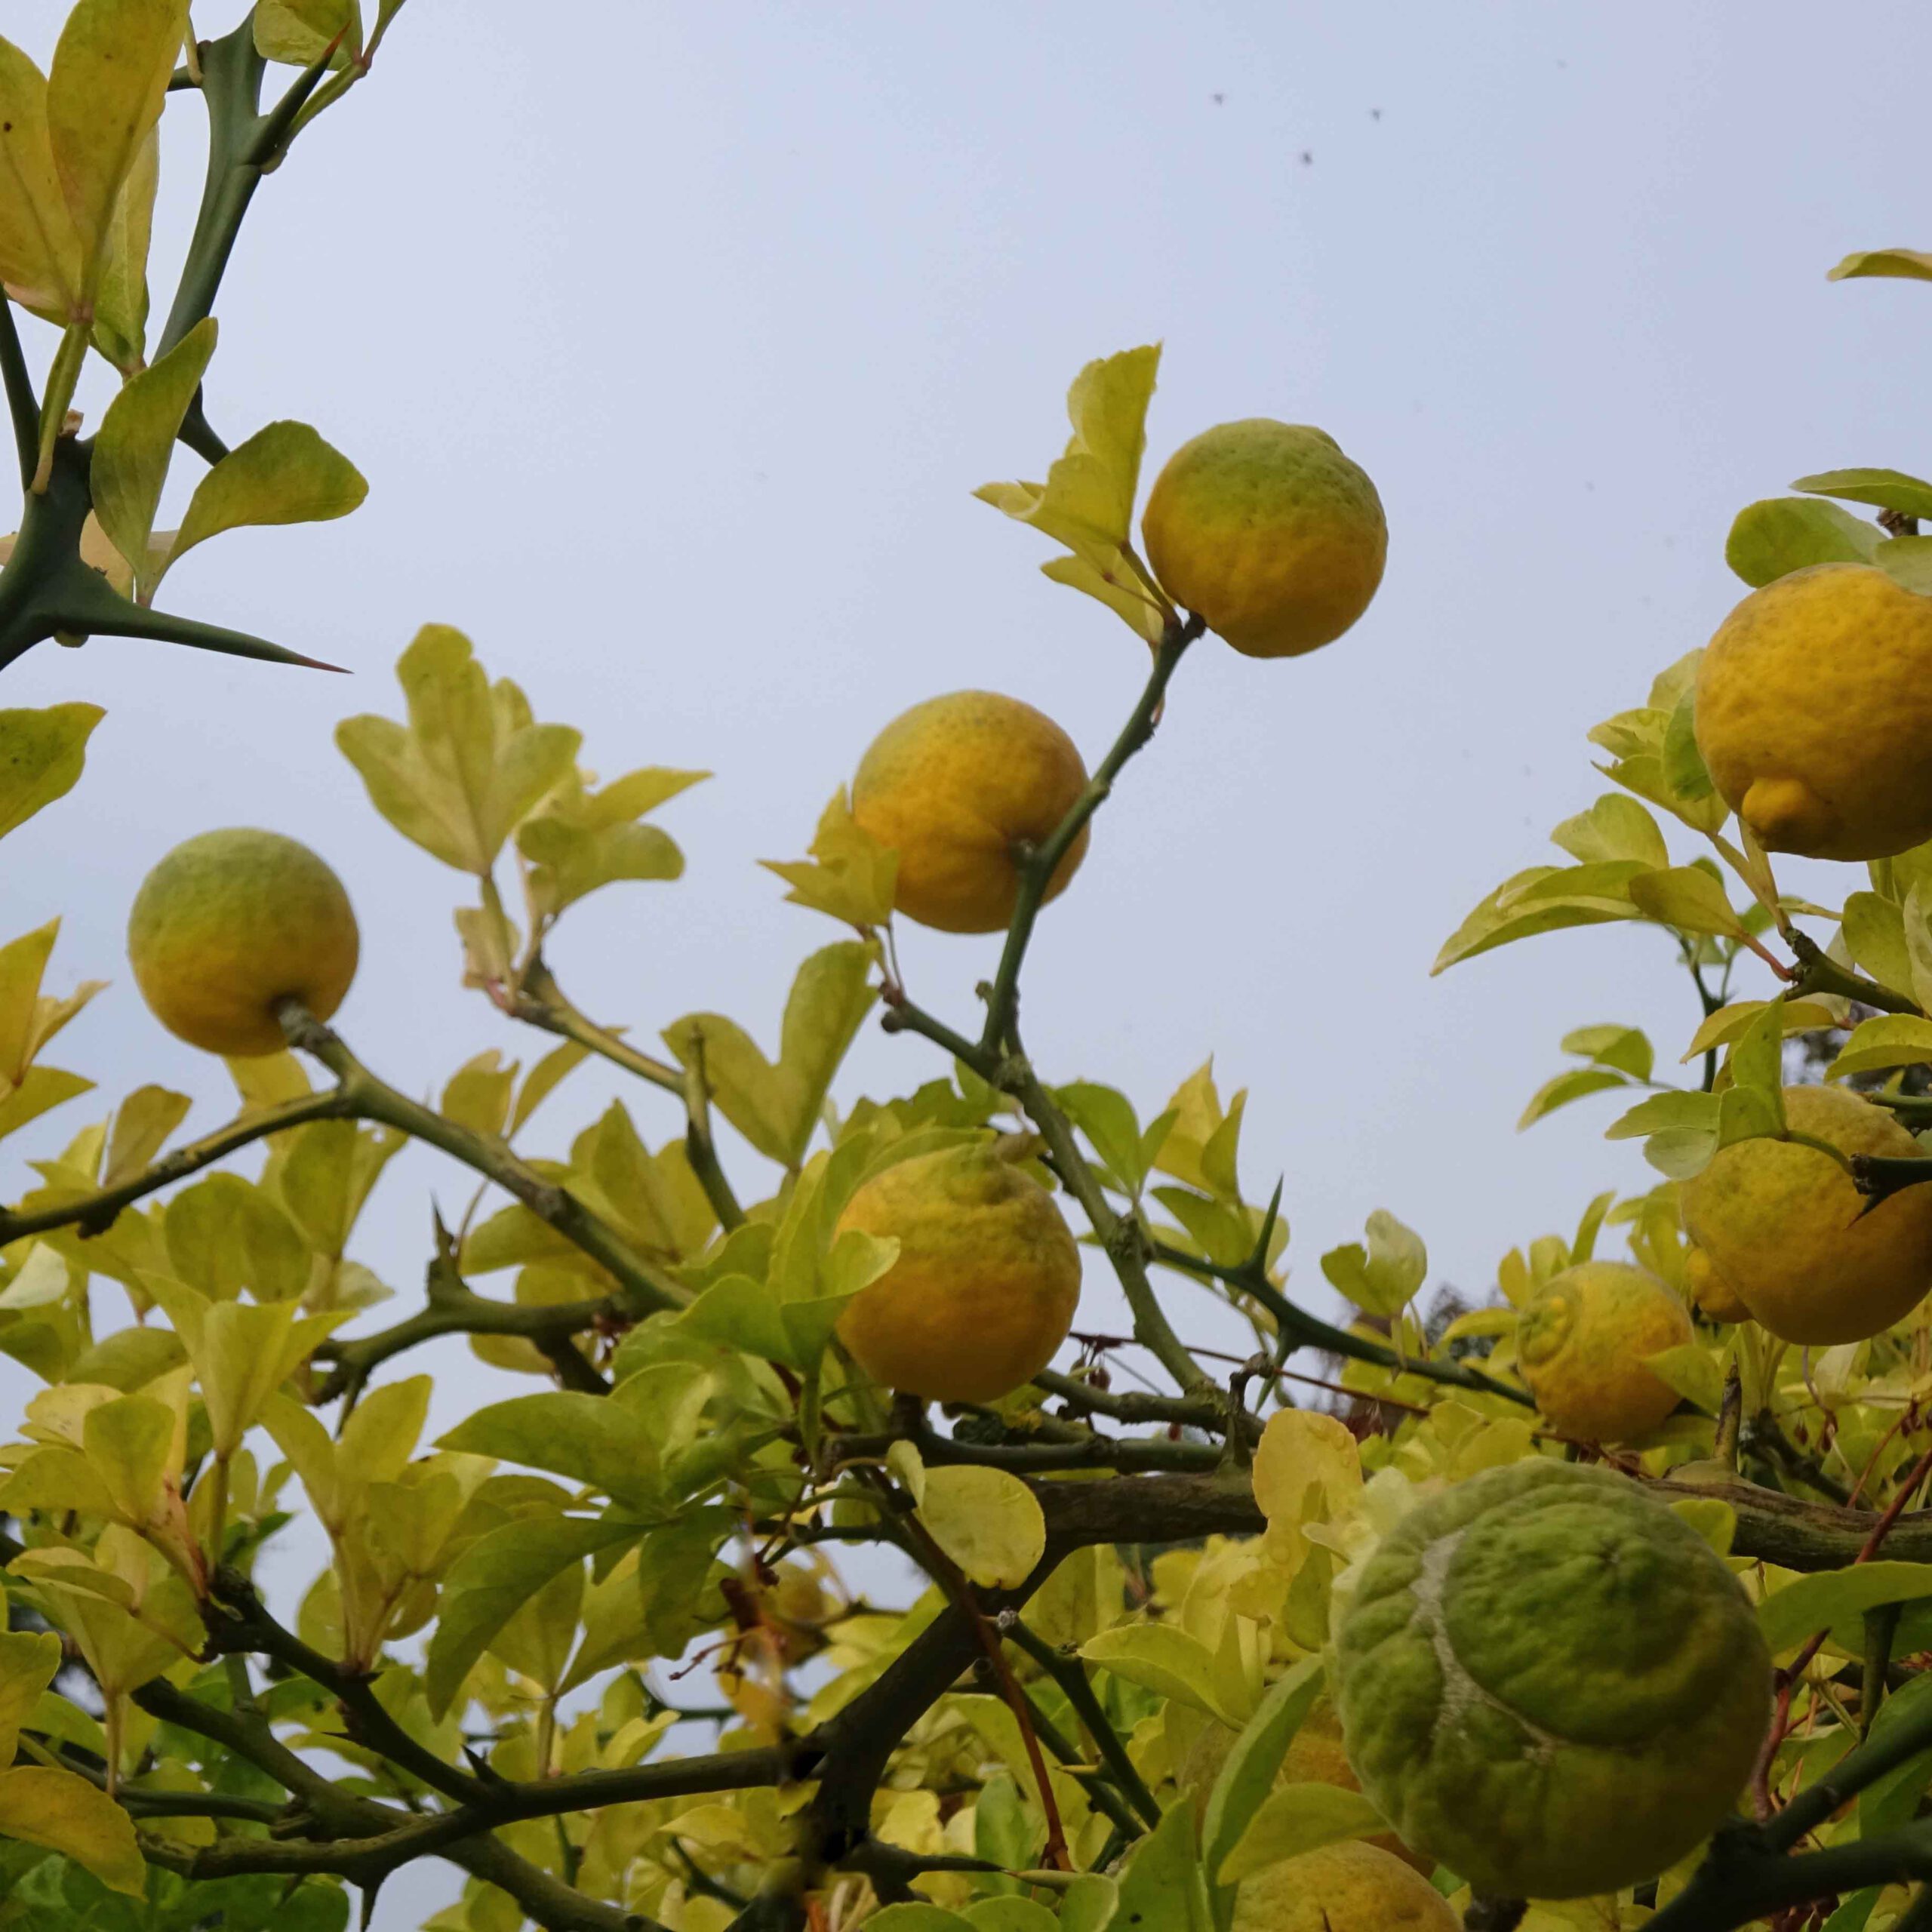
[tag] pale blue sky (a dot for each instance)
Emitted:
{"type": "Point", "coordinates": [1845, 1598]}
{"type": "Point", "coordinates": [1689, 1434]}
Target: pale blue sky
{"type": "Point", "coordinates": [672, 339]}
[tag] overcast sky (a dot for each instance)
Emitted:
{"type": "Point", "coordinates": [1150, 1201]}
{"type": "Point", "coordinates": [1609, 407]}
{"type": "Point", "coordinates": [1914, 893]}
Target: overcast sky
{"type": "Point", "coordinates": [672, 339]}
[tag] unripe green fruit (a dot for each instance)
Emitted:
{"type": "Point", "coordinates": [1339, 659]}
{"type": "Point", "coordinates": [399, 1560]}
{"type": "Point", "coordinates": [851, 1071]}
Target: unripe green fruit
{"type": "Point", "coordinates": [1550, 1682]}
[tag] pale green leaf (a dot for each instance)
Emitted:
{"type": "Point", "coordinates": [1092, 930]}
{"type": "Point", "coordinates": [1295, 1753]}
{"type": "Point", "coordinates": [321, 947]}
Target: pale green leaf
{"type": "Point", "coordinates": [1616, 827]}
{"type": "Point", "coordinates": [1730, 1022]}
{"type": "Point", "coordinates": [298, 32]}
{"type": "Point", "coordinates": [1574, 1084]}
{"type": "Point", "coordinates": [1166, 1660]}
{"type": "Point", "coordinates": [121, 298]}
{"type": "Point", "coordinates": [1543, 899]}
{"type": "Point", "coordinates": [1248, 1773]}
{"type": "Point", "coordinates": [40, 248]}
{"type": "Point", "coordinates": [1874, 930]}
{"type": "Point", "coordinates": [1788, 1616]}
{"type": "Point", "coordinates": [28, 1661]}
{"type": "Point", "coordinates": [1383, 1277]}
{"type": "Point", "coordinates": [61, 1811]}
{"type": "Point", "coordinates": [1164, 1887]}
{"type": "Point", "coordinates": [1687, 898]}
{"type": "Point", "coordinates": [136, 439]}
{"type": "Point", "coordinates": [587, 1439]}
{"type": "Point", "coordinates": [1769, 539]}
{"type": "Point", "coordinates": [1907, 561]}
{"type": "Point", "coordinates": [1688, 1369]}
{"type": "Point", "coordinates": [850, 875]}
{"type": "Point", "coordinates": [1883, 489]}
{"type": "Point", "coordinates": [1300, 1818]}
{"type": "Point", "coordinates": [1884, 1041]}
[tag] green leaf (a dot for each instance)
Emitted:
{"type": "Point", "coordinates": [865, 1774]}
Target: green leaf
{"type": "Point", "coordinates": [1788, 1616]}
{"type": "Point", "coordinates": [1300, 1818]}
{"type": "Point", "coordinates": [1874, 930]}
{"type": "Point", "coordinates": [919, 1918]}
{"type": "Point", "coordinates": [1883, 489]}
{"type": "Point", "coordinates": [136, 440]}
{"type": "Point", "coordinates": [1559, 1091]}
{"type": "Point", "coordinates": [850, 875]}
{"type": "Point", "coordinates": [283, 474]}
{"type": "Point", "coordinates": [988, 1522]}
{"type": "Point", "coordinates": [1164, 1888]}
{"type": "Point", "coordinates": [776, 1108]}
{"type": "Point", "coordinates": [1165, 1658]}
{"type": "Point", "coordinates": [1616, 827]}
{"type": "Point", "coordinates": [1772, 539]}
{"type": "Point", "coordinates": [469, 765]}
{"type": "Point", "coordinates": [225, 1236]}
{"type": "Point", "coordinates": [1892, 1800]}
{"type": "Point", "coordinates": [40, 249]}
{"type": "Point", "coordinates": [1248, 1773]}
{"type": "Point", "coordinates": [120, 299]}
{"type": "Point", "coordinates": [1888, 1040]}
{"type": "Point", "coordinates": [1907, 561]}
{"type": "Point", "coordinates": [1682, 1131]}
{"type": "Point", "coordinates": [492, 1579]}
{"type": "Point", "coordinates": [1382, 1279]}
{"type": "Point", "coordinates": [1757, 1061]}
{"type": "Point", "coordinates": [1623, 1049]}
{"type": "Point", "coordinates": [582, 840]}
{"type": "Point", "coordinates": [1107, 1119]}
{"type": "Point", "coordinates": [41, 753]}
{"type": "Point", "coordinates": [42, 1089]}
{"type": "Point", "coordinates": [1684, 768]}
{"type": "Point", "coordinates": [142, 1124]}
{"type": "Point", "coordinates": [63, 1812]}
{"type": "Point", "coordinates": [1009, 1915]}
{"type": "Point", "coordinates": [1908, 263]}
{"type": "Point", "coordinates": [1730, 1022]}
{"type": "Point", "coordinates": [1688, 899]}
{"type": "Point", "coordinates": [129, 1442]}
{"type": "Point", "coordinates": [1689, 1369]}
{"type": "Point", "coordinates": [588, 1438]}
{"type": "Point", "coordinates": [1916, 917]}
{"type": "Point", "coordinates": [104, 95]}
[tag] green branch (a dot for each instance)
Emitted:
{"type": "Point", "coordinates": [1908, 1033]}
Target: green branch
{"type": "Point", "coordinates": [1817, 973]}
{"type": "Point", "coordinates": [1070, 1674]}
{"type": "Point", "coordinates": [1038, 864]}
{"type": "Point", "coordinates": [538, 1001]}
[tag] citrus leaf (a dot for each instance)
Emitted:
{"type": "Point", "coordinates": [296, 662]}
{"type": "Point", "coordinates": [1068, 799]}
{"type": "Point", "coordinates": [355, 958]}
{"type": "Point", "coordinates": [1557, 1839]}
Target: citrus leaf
{"type": "Point", "coordinates": [1165, 1658]}
{"type": "Point", "coordinates": [1788, 1616]}
{"type": "Point", "coordinates": [1164, 1885]}
{"type": "Point", "coordinates": [1300, 1818]}
{"type": "Point", "coordinates": [1616, 827]}
{"type": "Point", "coordinates": [285, 473]}
{"type": "Point", "coordinates": [63, 1812]}
{"type": "Point", "coordinates": [28, 1661]}
{"type": "Point", "coordinates": [1769, 539]}
{"type": "Point", "coordinates": [41, 753]}
{"type": "Point", "coordinates": [1730, 1022]}
{"type": "Point", "coordinates": [1688, 899]}
{"type": "Point", "coordinates": [850, 875]}
{"type": "Point", "coordinates": [1883, 489]}
{"type": "Point", "coordinates": [1249, 1773]}
{"type": "Point", "coordinates": [40, 249]}
{"type": "Point", "coordinates": [136, 439]}
{"type": "Point", "coordinates": [988, 1522]}
{"type": "Point", "coordinates": [1907, 561]}
{"type": "Point", "coordinates": [1888, 1040]}
{"type": "Point", "coordinates": [1908, 263]}
{"type": "Point", "coordinates": [1382, 1278]}
{"type": "Point", "coordinates": [1563, 1087]}
{"type": "Point", "coordinates": [586, 1438]}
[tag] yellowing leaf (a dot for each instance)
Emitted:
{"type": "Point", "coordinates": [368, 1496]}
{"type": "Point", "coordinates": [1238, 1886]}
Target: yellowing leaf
{"type": "Point", "coordinates": [63, 1812]}
{"type": "Point", "coordinates": [1687, 898]}
{"type": "Point", "coordinates": [41, 755]}
{"type": "Point", "coordinates": [285, 473]}
{"type": "Point", "coordinates": [776, 1108]}
{"type": "Point", "coordinates": [1729, 1023]}
{"type": "Point", "coordinates": [1816, 1602]}
{"type": "Point", "coordinates": [582, 840]}
{"type": "Point", "coordinates": [1301, 1450]}
{"type": "Point", "coordinates": [1885, 1040]}
{"type": "Point", "coordinates": [1874, 933]}
{"type": "Point", "coordinates": [40, 250]}
{"type": "Point", "coordinates": [136, 440]}
{"type": "Point", "coordinates": [142, 1124]}
{"type": "Point", "coordinates": [469, 766]}
{"type": "Point", "coordinates": [298, 32]}
{"type": "Point", "coordinates": [1297, 1818]}
{"type": "Point", "coordinates": [987, 1521]}
{"type": "Point", "coordinates": [1616, 827]}
{"type": "Point", "coordinates": [104, 95]}
{"type": "Point", "coordinates": [28, 1661]}
{"type": "Point", "coordinates": [850, 875]}
{"type": "Point", "coordinates": [28, 1018]}
{"type": "Point", "coordinates": [1689, 1369]}
{"type": "Point", "coordinates": [1163, 1658]}
{"type": "Point", "coordinates": [1907, 263]}
{"type": "Point", "coordinates": [121, 293]}
{"type": "Point", "coordinates": [1544, 899]}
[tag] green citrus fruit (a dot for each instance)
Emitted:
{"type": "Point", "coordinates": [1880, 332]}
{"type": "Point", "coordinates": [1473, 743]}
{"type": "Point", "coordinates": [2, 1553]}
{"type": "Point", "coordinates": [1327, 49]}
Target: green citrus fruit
{"type": "Point", "coordinates": [1268, 532]}
{"type": "Point", "coordinates": [1814, 713]}
{"type": "Point", "coordinates": [1347, 1887]}
{"type": "Point", "coordinates": [1582, 1342]}
{"type": "Point", "coordinates": [954, 785]}
{"type": "Point", "coordinates": [229, 924]}
{"type": "Point", "coordinates": [986, 1284]}
{"type": "Point", "coordinates": [1550, 1682]}
{"type": "Point", "coordinates": [1788, 1233]}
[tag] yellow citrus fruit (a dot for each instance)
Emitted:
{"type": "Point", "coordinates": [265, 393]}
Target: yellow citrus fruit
{"type": "Point", "coordinates": [1269, 534]}
{"type": "Point", "coordinates": [1347, 1887]}
{"type": "Point", "coordinates": [986, 1284]}
{"type": "Point", "coordinates": [1787, 1230]}
{"type": "Point", "coordinates": [1814, 713]}
{"type": "Point", "coordinates": [954, 786]}
{"type": "Point", "coordinates": [1551, 1682]}
{"type": "Point", "coordinates": [1710, 1290]}
{"type": "Point", "coordinates": [1582, 1342]}
{"type": "Point", "coordinates": [230, 923]}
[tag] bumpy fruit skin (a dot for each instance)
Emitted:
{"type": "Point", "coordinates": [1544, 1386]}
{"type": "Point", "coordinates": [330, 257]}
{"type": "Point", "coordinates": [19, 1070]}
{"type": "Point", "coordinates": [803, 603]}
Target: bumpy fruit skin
{"type": "Point", "coordinates": [1347, 1887]}
{"type": "Point", "coordinates": [986, 1284]}
{"type": "Point", "coordinates": [1582, 1343]}
{"type": "Point", "coordinates": [1786, 1229]}
{"type": "Point", "coordinates": [952, 786]}
{"type": "Point", "coordinates": [1550, 1682]}
{"type": "Point", "coordinates": [228, 924]}
{"type": "Point", "coordinates": [1268, 533]}
{"type": "Point", "coordinates": [1710, 1290]}
{"type": "Point", "coordinates": [1814, 713]}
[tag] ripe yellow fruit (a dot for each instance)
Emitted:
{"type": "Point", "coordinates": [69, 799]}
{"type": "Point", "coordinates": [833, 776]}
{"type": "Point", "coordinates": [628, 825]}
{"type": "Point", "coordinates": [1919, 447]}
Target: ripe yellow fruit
{"type": "Point", "coordinates": [1786, 1228]}
{"type": "Point", "coordinates": [1814, 713]}
{"type": "Point", "coordinates": [1710, 1290]}
{"type": "Point", "coordinates": [953, 786]}
{"type": "Point", "coordinates": [1347, 1887]}
{"type": "Point", "coordinates": [230, 923]}
{"type": "Point", "coordinates": [1268, 532]}
{"type": "Point", "coordinates": [1582, 1343]}
{"type": "Point", "coordinates": [986, 1284]}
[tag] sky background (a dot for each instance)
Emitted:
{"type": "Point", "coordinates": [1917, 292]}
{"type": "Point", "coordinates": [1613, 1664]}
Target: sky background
{"type": "Point", "coordinates": [673, 340]}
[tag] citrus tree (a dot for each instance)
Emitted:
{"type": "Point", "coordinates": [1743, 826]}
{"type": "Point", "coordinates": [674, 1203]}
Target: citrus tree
{"type": "Point", "coordinates": [1605, 1603]}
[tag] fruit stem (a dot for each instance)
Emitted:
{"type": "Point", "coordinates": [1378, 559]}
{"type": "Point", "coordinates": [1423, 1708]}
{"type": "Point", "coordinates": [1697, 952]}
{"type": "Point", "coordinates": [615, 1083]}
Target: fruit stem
{"type": "Point", "coordinates": [1041, 862]}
